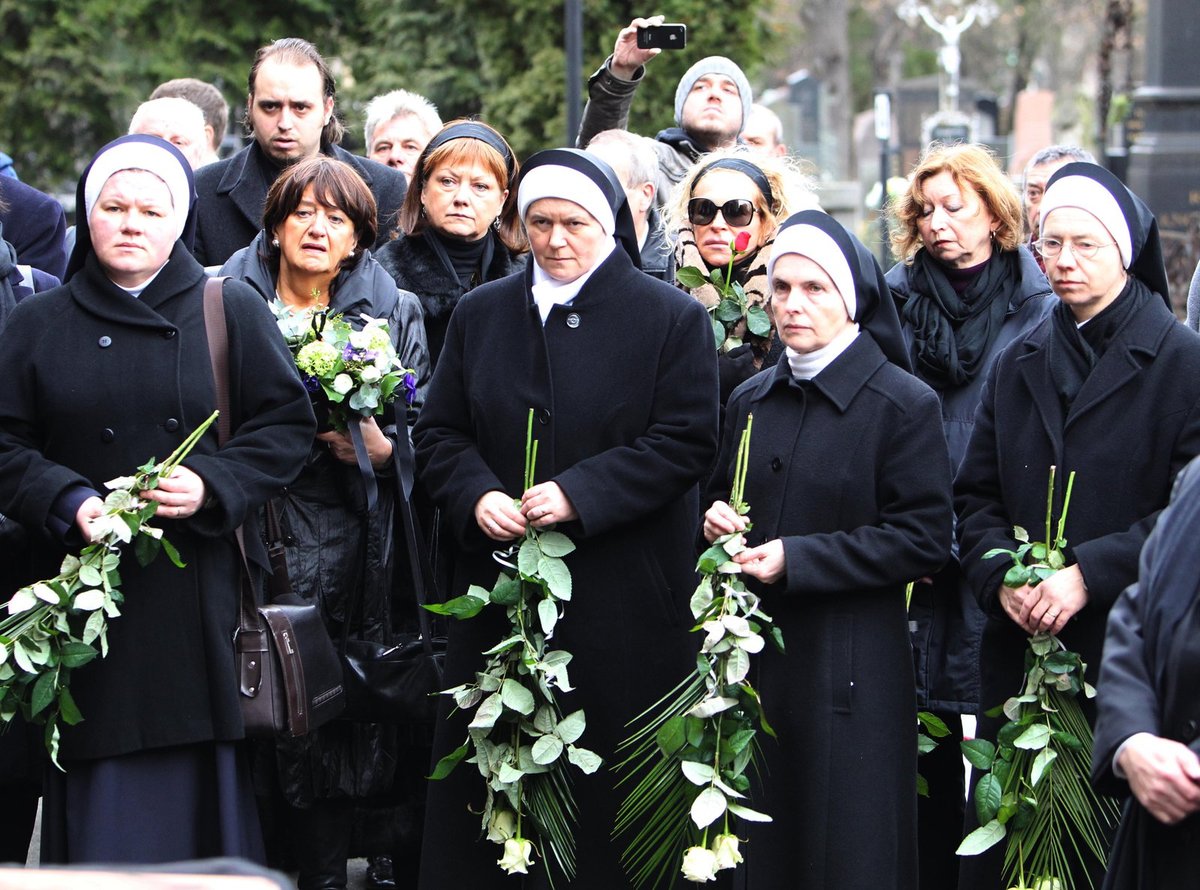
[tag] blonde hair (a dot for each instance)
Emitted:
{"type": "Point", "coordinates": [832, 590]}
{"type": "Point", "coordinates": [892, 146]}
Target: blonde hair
{"type": "Point", "coordinates": [791, 190]}
{"type": "Point", "coordinates": [968, 164]}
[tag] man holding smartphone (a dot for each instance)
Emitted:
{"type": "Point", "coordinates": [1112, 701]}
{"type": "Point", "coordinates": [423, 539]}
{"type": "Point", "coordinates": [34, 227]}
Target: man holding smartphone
{"type": "Point", "coordinates": [711, 104]}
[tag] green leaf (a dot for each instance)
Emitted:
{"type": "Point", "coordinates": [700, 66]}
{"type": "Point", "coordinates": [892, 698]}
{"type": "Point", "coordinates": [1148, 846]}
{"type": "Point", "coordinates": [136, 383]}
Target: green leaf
{"type": "Point", "coordinates": [588, 761]}
{"type": "Point", "coordinates": [465, 606]}
{"type": "Point", "coordinates": [556, 575]}
{"type": "Point", "coordinates": [983, 838]}
{"type": "Point", "coordinates": [998, 551]}
{"type": "Point", "coordinates": [739, 740]}
{"type": "Point", "coordinates": [694, 728]}
{"type": "Point", "coordinates": [711, 558]}
{"type": "Point", "coordinates": [718, 332]}
{"type": "Point", "coordinates": [925, 744]}
{"type": "Point", "coordinates": [737, 666]}
{"type": "Point", "coordinates": [757, 321]}
{"type": "Point", "coordinates": [1067, 740]}
{"type": "Point", "coordinates": [547, 615]}
{"type": "Point", "coordinates": [708, 807]}
{"type": "Point", "coordinates": [446, 765]}
{"type": "Point", "coordinates": [90, 576]}
{"type": "Point", "coordinates": [776, 636]}
{"type": "Point", "coordinates": [980, 753]}
{"type": "Point", "coordinates": [528, 557]}
{"type": "Point", "coordinates": [697, 773]}
{"type": "Point", "coordinates": [933, 724]}
{"type": "Point", "coordinates": [555, 543]}
{"type": "Point", "coordinates": [922, 786]}
{"type": "Point", "coordinates": [671, 736]}
{"type": "Point", "coordinates": [743, 812]}
{"type": "Point", "coordinates": [1017, 576]}
{"type": "Point", "coordinates": [1041, 764]}
{"type": "Point", "coordinates": [516, 696]}
{"type": "Point", "coordinates": [43, 692]}
{"type": "Point", "coordinates": [571, 727]}
{"type": "Point", "coordinates": [1034, 738]}
{"type": "Point", "coordinates": [728, 311]}
{"type": "Point", "coordinates": [690, 277]}
{"type": "Point", "coordinates": [1020, 534]}
{"type": "Point", "coordinates": [73, 655]}
{"type": "Point", "coordinates": [1041, 644]}
{"type": "Point", "coordinates": [988, 794]}
{"type": "Point", "coordinates": [93, 626]}
{"type": "Point", "coordinates": [67, 709]}
{"type": "Point", "coordinates": [547, 749]}
{"type": "Point", "coordinates": [507, 592]}
{"type": "Point", "coordinates": [488, 712]}
{"type": "Point", "coordinates": [146, 548]}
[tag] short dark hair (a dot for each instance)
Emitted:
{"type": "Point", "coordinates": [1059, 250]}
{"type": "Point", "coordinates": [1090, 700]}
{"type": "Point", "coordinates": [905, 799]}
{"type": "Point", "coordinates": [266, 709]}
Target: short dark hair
{"type": "Point", "coordinates": [297, 51]}
{"type": "Point", "coordinates": [334, 184]}
{"type": "Point", "coordinates": [204, 95]}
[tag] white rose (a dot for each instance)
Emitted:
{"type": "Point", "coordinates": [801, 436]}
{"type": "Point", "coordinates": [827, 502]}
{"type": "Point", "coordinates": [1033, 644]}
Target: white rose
{"type": "Point", "coordinates": [699, 864]}
{"type": "Point", "coordinates": [370, 374]}
{"type": "Point", "coordinates": [360, 339]}
{"type": "Point", "coordinates": [725, 848]}
{"type": "Point", "coordinates": [342, 383]}
{"type": "Point", "coordinates": [518, 854]}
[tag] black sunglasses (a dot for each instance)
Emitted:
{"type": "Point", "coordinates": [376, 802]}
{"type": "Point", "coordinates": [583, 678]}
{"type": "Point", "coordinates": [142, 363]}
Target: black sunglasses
{"type": "Point", "coordinates": [737, 211]}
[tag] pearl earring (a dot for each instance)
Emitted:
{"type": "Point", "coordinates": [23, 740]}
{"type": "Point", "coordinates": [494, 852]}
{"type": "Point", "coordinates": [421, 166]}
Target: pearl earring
{"type": "Point", "coordinates": [274, 242]}
{"type": "Point", "coordinates": [350, 254]}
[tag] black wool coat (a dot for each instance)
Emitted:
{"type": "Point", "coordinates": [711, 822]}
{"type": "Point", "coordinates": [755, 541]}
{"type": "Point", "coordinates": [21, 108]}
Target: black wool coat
{"type": "Point", "coordinates": [232, 193]}
{"type": "Point", "coordinates": [1148, 684]}
{"type": "Point", "coordinates": [101, 382]}
{"type": "Point", "coordinates": [947, 621]}
{"type": "Point", "coordinates": [850, 471]}
{"type": "Point", "coordinates": [624, 384]}
{"type": "Point", "coordinates": [34, 224]}
{"type": "Point", "coordinates": [417, 267]}
{"type": "Point", "coordinates": [1132, 427]}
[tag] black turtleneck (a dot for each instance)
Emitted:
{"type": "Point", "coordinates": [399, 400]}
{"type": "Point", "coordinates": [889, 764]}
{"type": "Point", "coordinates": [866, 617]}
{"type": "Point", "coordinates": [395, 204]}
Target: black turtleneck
{"type": "Point", "coordinates": [463, 257]}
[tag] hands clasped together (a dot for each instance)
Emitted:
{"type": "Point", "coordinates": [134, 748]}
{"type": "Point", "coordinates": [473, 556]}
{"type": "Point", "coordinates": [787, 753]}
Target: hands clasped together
{"type": "Point", "coordinates": [542, 506]}
{"type": "Point", "coordinates": [1048, 607]}
{"type": "Point", "coordinates": [178, 496]}
{"type": "Point", "coordinates": [765, 562]}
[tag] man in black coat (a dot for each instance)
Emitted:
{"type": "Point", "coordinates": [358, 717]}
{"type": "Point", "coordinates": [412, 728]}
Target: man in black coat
{"type": "Point", "coordinates": [35, 225]}
{"type": "Point", "coordinates": [290, 111]}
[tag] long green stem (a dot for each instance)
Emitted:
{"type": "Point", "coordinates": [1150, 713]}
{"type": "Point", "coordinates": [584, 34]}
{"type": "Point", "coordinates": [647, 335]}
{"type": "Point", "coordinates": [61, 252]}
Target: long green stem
{"type": "Point", "coordinates": [1049, 508]}
{"type": "Point", "coordinates": [1062, 518]}
{"type": "Point", "coordinates": [185, 448]}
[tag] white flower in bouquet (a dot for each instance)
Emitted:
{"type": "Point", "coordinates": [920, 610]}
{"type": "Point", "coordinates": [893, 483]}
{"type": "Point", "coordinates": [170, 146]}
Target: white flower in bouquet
{"type": "Point", "coordinates": [699, 865]}
{"type": "Point", "coordinates": [343, 383]}
{"type": "Point", "coordinates": [518, 856]}
{"type": "Point", "coordinates": [725, 848]}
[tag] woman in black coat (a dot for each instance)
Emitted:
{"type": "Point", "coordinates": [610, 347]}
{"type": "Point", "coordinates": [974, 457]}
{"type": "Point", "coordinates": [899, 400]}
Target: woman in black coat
{"type": "Point", "coordinates": [1103, 387]}
{"type": "Point", "coordinates": [109, 370]}
{"type": "Point", "coordinates": [313, 252]}
{"type": "Point", "coordinates": [848, 483]}
{"type": "Point", "coordinates": [965, 287]}
{"type": "Point", "coordinates": [619, 368]}
{"type": "Point", "coordinates": [1148, 720]}
{"type": "Point", "coordinates": [458, 224]}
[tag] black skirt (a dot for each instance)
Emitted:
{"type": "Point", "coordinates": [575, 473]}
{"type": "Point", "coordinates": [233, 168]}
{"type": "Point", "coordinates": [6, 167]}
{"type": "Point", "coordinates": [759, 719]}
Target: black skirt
{"type": "Point", "coordinates": [164, 805]}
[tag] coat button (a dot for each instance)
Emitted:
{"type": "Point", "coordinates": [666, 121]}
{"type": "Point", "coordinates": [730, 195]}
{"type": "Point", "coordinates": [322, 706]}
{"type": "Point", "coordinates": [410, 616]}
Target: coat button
{"type": "Point", "coordinates": [544, 415]}
{"type": "Point", "coordinates": [776, 464]}
{"type": "Point", "coordinates": [171, 425]}
{"type": "Point", "coordinates": [107, 435]}
{"type": "Point", "coordinates": [169, 334]}
{"type": "Point", "coordinates": [573, 320]}
{"type": "Point", "coordinates": [105, 341]}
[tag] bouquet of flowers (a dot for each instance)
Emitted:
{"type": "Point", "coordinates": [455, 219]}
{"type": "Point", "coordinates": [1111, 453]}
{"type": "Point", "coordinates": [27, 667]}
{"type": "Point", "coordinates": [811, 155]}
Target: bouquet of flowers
{"type": "Point", "coordinates": [61, 623]}
{"type": "Point", "coordinates": [732, 314]}
{"type": "Point", "coordinates": [355, 373]}
{"type": "Point", "coordinates": [695, 745]}
{"type": "Point", "coordinates": [518, 738]}
{"type": "Point", "coordinates": [1035, 788]}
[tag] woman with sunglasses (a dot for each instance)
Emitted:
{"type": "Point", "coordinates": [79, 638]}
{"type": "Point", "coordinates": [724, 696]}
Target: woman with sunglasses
{"type": "Point", "coordinates": [725, 195]}
{"type": "Point", "coordinates": [1104, 387]}
{"type": "Point", "coordinates": [965, 287]}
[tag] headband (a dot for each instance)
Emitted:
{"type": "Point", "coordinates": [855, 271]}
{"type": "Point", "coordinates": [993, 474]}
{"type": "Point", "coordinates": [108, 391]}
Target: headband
{"type": "Point", "coordinates": [472, 130]}
{"type": "Point", "coordinates": [750, 171]}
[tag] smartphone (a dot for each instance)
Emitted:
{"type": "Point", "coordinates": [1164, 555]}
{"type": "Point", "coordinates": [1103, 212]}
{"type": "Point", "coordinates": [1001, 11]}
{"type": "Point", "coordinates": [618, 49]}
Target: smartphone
{"type": "Point", "coordinates": [670, 36]}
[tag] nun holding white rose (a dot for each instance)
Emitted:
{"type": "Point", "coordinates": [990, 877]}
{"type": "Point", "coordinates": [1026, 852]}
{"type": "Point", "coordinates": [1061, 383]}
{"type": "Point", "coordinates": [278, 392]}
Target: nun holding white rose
{"type": "Point", "coordinates": [104, 373]}
{"type": "Point", "coordinates": [849, 487]}
{"type": "Point", "coordinates": [620, 372]}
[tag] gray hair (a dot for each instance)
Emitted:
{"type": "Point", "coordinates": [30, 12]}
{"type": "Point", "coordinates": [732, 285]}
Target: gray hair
{"type": "Point", "coordinates": [641, 161]}
{"type": "Point", "coordinates": [771, 117]}
{"type": "Point", "coordinates": [383, 108]}
{"type": "Point", "coordinates": [1052, 154]}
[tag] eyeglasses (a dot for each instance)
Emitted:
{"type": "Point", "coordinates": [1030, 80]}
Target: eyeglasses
{"type": "Point", "coordinates": [1052, 247]}
{"type": "Point", "coordinates": [737, 211]}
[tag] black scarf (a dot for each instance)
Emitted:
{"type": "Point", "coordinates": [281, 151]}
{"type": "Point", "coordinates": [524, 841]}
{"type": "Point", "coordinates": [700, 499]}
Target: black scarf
{"type": "Point", "coordinates": [952, 332]}
{"type": "Point", "coordinates": [465, 261]}
{"type": "Point", "coordinates": [1074, 350]}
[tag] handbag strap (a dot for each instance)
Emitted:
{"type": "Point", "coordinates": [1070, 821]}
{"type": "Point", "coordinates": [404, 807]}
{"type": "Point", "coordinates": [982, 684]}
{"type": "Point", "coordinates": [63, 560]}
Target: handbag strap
{"type": "Point", "coordinates": [216, 329]}
{"type": "Point", "coordinates": [418, 559]}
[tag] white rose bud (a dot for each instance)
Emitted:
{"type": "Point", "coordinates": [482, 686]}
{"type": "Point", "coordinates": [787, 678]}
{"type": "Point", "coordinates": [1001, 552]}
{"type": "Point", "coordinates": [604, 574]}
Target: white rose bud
{"type": "Point", "coordinates": [699, 864]}
{"type": "Point", "coordinates": [518, 855]}
{"type": "Point", "coordinates": [371, 374]}
{"type": "Point", "coordinates": [725, 848]}
{"type": "Point", "coordinates": [502, 825]}
{"type": "Point", "coordinates": [343, 383]}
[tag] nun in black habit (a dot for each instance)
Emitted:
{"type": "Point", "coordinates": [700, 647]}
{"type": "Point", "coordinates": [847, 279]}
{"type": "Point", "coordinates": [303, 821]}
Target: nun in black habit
{"type": "Point", "coordinates": [848, 484]}
{"type": "Point", "coordinates": [1105, 387]}
{"type": "Point", "coordinates": [620, 371]}
{"type": "Point", "coordinates": [107, 371]}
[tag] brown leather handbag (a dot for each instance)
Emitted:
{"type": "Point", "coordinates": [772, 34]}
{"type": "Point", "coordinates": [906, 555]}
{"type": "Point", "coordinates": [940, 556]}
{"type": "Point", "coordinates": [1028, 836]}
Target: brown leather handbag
{"type": "Point", "coordinates": [289, 674]}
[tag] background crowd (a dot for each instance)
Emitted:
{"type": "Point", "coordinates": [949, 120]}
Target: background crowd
{"type": "Point", "coordinates": [905, 422]}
